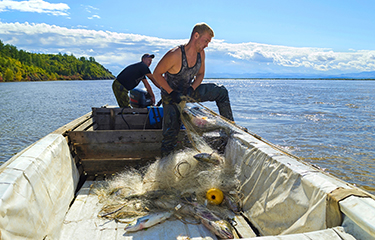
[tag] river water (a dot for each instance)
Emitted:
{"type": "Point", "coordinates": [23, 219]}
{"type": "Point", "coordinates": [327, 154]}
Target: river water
{"type": "Point", "coordinates": [328, 123]}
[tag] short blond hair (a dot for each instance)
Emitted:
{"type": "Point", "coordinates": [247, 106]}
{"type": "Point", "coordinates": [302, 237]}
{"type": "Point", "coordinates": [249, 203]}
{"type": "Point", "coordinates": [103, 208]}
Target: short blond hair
{"type": "Point", "coordinates": [202, 28]}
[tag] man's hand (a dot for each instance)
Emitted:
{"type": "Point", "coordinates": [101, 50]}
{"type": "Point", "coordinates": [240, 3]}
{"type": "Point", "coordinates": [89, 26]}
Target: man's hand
{"type": "Point", "coordinates": [176, 97]}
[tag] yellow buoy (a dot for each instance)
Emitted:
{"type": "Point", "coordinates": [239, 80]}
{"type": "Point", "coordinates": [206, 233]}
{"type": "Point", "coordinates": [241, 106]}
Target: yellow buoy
{"type": "Point", "coordinates": [214, 196]}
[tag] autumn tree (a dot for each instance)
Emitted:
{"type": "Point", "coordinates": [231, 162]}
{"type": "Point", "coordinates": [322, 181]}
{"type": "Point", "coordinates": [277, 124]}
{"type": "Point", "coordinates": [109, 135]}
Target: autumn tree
{"type": "Point", "coordinates": [20, 65]}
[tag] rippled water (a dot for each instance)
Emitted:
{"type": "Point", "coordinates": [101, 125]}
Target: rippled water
{"type": "Point", "coordinates": [327, 123]}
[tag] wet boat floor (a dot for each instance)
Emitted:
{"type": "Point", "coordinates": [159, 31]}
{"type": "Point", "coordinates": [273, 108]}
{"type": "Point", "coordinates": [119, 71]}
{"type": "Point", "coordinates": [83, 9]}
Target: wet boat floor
{"type": "Point", "coordinates": [82, 222]}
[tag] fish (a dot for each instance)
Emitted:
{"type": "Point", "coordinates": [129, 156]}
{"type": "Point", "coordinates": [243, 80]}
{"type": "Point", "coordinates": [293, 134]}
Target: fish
{"type": "Point", "coordinates": [198, 119]}
{"type": "Point", "coordinates": [231, 203]}
{"type": "Point", "coordinates": [148, 221]}
{"type": "Point", "coordinates": [200, 122]}
{"type": "Point", "coordinates": [212, 158]}
{"type": "Point", "coordinates": [219, 227]}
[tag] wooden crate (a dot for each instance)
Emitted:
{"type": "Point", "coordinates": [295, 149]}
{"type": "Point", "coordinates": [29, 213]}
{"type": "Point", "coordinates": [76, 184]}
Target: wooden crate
{"type": "Point", "coordinates": [110, 151]}
{"type": "Point", "coordinates": [121, 119]}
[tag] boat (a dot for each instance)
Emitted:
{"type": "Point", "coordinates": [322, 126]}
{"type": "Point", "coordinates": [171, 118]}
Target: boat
{"type": "Point", "coordinates": [47, 190]}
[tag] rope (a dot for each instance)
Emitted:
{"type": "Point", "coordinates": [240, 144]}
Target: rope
{"type": "Point", "coordinates": [190, 130]}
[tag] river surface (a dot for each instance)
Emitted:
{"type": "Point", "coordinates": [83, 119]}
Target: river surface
{"type": "Point", "coordinates": [328, 123]}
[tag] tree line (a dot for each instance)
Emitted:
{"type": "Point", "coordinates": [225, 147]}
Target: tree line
{"type": "Point", "coordinates": [20, 65]}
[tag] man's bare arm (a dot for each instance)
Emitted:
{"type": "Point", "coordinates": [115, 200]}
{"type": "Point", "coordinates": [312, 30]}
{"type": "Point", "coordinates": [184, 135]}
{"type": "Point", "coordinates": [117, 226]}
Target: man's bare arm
{"type": "Point", "coordinates": [167, 63]}
{"type": "Point", "coordinates": [200, 75]}
{"type": "Point", "coordinates": [151, 77]}
{"type": "Point", "coordinates": [149, 90]}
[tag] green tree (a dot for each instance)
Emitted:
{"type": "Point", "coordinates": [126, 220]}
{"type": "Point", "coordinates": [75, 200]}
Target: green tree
{"type": "Point", "coordinates": [1, 47]}
{"type": "Point", "coordinates": [19, 64]}
{"type": "Point", "coordinates": [8, 77]}
{"type": "Point", "coordinates": [18, 76]}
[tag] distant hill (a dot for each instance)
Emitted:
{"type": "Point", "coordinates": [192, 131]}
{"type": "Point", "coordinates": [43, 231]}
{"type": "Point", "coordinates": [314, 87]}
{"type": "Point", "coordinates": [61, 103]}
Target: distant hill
{"type": "Point", "coordinates": [361, 75]}
{"type": "Point", "coordinates": [19, 65]}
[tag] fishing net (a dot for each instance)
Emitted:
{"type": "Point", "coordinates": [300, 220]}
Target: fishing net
{"type": "Point", "coordinates": [178, 182]}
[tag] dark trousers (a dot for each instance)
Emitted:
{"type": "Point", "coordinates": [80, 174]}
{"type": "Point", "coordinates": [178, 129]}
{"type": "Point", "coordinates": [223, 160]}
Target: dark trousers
{"type": "Point", "coordinates": [172, 121]}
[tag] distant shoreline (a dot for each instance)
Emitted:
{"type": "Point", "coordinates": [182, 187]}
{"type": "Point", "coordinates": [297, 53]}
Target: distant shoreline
{"type": "Point", "coordinates": [227, 78]}
{"type": "Point", "coordinates": [349, 79]}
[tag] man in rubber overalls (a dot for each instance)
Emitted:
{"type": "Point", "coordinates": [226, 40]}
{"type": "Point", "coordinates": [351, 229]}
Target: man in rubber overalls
{"type": "Point", "coordinates": [183, 68]}
{"type": "Point", "coordinates": [130, 77]}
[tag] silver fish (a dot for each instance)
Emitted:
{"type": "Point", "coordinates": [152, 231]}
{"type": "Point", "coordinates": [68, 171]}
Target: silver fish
{"type": "Point", "coordinates": [148, 221]}
{"type": "Point", "coordinates": [231, 203]}
{"type": "Point", "coordinates": [213, 158]}
{"type": "Point", "coordinates": [219, 227]}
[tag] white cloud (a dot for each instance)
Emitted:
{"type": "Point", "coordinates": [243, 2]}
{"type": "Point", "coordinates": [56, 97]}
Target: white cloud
{"type": "Point", "coordinates": [320, 59]}
{"type": "Point", "coordinates": [94, 16]}
{"type": "Point", "coordinates": [115, 50]}
{"type": "Point", "coordinates": [38, 6]}
{"type": "Point", "coordinates": [92, 10]}
{"type": "Point", "coordinates": [89, 8]}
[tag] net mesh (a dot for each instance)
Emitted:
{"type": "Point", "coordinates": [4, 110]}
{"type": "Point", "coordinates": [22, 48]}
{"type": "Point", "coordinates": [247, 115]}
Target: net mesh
{"type": "Point", "coordinates": [178, 182]}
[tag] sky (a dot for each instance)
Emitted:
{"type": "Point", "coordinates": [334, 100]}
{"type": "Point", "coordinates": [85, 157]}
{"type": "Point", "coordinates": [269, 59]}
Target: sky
{"type": "Point", "coordinates": [252, 37]}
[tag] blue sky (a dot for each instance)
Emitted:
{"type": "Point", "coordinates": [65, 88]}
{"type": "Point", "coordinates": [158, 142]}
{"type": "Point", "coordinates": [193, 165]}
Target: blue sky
{"type": "Point", "coordinates": [321, 37]}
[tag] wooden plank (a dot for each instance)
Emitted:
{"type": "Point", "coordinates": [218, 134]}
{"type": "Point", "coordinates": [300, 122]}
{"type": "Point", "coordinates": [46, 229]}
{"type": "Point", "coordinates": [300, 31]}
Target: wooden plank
{"type": "Point", "coordinates": [116, 122]}
{"type": "Point", "coordinates": [119, 136]}
{"type": "Point", "coordinates": [243, 228]}
{"type": "Point", "coordinates": [73, 124]}
{"type": "Point", "coordinates": [112, 166]}
{"type": "Point", "coordinates": [113, 118]}
{"type": "Point", "coordinates": [92, 127]}
{"type": "Point", "coordinates": [118, 150]}
{"type": "Point", "coordinates": [117, 111]}
{"type": "Point", "coordinates": [117, 144]}
{"type": "Point", "coordinates": [135, 125]}
{"type": "Point", "coordinates": [84, 126]}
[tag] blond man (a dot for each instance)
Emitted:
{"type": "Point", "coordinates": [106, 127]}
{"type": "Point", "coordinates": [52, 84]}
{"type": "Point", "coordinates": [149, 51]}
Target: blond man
{"type": "Point", "coordinates": [181, 72]}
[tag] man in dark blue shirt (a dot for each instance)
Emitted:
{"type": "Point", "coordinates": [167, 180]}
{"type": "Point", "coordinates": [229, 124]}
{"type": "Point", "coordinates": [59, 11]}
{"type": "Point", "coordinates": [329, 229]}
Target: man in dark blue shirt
{"type": "Point", "coordinates": [130, 77]}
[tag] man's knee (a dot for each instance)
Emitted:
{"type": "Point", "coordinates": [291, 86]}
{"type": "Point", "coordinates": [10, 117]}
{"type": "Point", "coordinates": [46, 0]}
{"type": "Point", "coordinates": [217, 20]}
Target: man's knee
{"type": "Point", "coordinates": [211, 92]}
{"type": "Point", "coordinates": [223, 95]}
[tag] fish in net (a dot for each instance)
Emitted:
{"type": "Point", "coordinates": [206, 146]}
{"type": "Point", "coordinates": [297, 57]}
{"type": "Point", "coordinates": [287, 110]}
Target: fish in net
{"type": "Point", "coordinates": [178, 186]}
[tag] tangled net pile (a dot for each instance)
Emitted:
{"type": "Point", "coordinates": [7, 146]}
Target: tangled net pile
{"type": "Point", "coordinates": [177, 184]}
